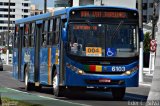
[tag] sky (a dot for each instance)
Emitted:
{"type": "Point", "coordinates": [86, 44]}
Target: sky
{"type": "Point", "coordinates": [40, 3]}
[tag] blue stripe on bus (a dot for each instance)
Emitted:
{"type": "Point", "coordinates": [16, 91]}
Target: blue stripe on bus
{"type": "Point", "coordinates": [39, 22]}
{"type": "Point", "coordinates": [44, 65]}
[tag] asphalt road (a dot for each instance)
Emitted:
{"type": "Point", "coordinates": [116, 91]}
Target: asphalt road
{"type": "Point", "coordinates": [134, 96]}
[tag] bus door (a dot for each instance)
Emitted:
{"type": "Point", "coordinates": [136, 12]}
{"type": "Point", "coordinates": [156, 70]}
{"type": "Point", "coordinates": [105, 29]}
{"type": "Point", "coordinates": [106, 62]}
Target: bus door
{"type": "Point", "coordinates": [21, 31]}
{"type": "Point", "coordinates": [62, 51]}
{"type": "Point", "coordinates": [37, 52]}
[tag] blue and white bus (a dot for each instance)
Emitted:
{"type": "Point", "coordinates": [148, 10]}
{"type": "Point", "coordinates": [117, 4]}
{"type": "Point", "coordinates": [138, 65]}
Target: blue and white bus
{"type": "Point", "coordinates": [88, 47]}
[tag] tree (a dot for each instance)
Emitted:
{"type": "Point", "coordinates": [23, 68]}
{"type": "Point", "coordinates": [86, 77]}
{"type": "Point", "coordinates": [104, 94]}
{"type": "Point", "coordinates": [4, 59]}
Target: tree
{"type": "Point", "coordinates": [146, 54]}
{"type": "Point", "coordinates": [147, 38]}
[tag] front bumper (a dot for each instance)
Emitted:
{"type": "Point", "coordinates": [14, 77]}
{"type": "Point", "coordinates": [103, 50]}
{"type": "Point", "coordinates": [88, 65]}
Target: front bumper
{"type": "Point", "coordinates": [74, 79]}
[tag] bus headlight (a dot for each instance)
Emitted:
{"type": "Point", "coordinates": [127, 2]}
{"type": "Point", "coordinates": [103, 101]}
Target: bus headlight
{"type": "Point", "coordinates": [80, 71]}
{"type": "Point", "coordinates": [129, 72]}
{"type": "Point", "coordinates": [75, 69]}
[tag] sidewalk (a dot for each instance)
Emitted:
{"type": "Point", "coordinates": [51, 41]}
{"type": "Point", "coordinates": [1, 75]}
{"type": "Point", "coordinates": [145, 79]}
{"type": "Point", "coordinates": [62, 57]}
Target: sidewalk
{"type": "Point", "coordinates": [147, 80]}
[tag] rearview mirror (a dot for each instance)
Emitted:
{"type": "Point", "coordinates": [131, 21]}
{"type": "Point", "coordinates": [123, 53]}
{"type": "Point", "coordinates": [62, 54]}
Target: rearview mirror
{"type": "Point", "coordinates": [64, 35]}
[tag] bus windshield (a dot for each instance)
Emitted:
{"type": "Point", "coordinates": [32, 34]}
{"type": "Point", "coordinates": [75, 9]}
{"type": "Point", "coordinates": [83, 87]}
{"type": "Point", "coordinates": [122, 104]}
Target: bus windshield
{"type": "Point", "coordinates": [103, 40]}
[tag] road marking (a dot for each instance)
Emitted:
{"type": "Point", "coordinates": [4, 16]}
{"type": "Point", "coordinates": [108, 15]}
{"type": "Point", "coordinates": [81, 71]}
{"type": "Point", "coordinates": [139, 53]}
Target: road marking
{"type": "Point", "coordinates": [47, 97]}
{"type": "Point", "coordinates": [17, 90]}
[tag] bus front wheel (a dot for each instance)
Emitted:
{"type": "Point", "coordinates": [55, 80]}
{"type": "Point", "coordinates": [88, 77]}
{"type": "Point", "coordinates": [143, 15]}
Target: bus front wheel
{"type": "Point", "coordinates": [118, 93]}
{"type": "Point", "coordinates": [28, 85]}
{"type": "Point", "coordinates": [57, 90]}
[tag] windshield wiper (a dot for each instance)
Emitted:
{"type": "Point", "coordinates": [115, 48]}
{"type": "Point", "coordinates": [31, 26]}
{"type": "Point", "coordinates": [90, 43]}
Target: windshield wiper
{"type": "Point", "coordinates": [121, 22]}
{"type": "Point", "coordinates": [117, 28]}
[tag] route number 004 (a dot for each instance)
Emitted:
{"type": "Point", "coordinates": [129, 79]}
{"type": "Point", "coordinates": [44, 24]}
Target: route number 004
{"type": "Point", "coordinates": [118, 69]}
{"type": "Point", "coordinates": [93, 50]}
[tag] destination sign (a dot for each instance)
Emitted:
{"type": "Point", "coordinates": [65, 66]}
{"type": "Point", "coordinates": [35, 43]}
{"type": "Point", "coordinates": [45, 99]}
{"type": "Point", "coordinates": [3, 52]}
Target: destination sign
{"type": "Point", "coordinates": [84, 27]}
{"type": "Point", "coordinates": [101, 14]}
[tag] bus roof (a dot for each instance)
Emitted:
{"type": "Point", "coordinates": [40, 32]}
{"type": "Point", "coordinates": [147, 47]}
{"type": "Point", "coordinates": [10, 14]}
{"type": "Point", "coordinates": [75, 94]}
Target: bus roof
{"type": "Point", "coordinates": [66, 10]}
{"type": "Point", "coordinates": [33, 18]}
{"type": "Point", "coordinates": [93, 6]}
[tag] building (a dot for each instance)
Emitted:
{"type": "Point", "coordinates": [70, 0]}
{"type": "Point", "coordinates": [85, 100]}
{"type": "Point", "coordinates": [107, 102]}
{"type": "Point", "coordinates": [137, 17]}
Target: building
{"type": "Point", "coordinates": [68, 3]}
{"type": "Point", "coordinates": [148, 8]}
{"type": "Point", "coordinates": [35, 10]}
{"type": "Point", "coordinates": [18, 9]}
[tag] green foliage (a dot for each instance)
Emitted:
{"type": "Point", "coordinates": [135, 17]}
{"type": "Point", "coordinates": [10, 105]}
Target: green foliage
{"type": "Point", "coordinates": [147, 38]}
{"type": "Point", "coordinates": [11, 102]}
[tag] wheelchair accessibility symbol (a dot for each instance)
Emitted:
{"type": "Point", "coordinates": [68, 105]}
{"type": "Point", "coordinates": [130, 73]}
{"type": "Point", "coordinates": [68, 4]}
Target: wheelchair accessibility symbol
{"type": "Point", "coordinates": [110, 52]}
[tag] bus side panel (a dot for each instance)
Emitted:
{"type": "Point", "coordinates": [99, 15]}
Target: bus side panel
{"type": "Point", "coordinates": [44, 66]}
{"type": "Point", "coordinates": [31, 64]}
{"type": "Point", "coordinates": [15, 63]}
{"type": "Point", "coordinates": [23, 63]}
{"type": "Point", "coordinates": [28, 59]}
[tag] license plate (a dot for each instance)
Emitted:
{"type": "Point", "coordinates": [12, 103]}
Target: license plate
{"type": "Point", "coordinates": [104, 80]}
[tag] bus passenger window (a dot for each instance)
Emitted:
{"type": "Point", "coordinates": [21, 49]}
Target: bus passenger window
{"type": "Point", "coordinates": [26, 41]}
{"type": "Point", "coordinates": [44, 33]}
{"type": "Point", "coordinates": [56, 31]}
{"type": "Point", "coordinates": [50, 33]}
{"type": "Point", "coordinates": [32, 34]}
{"type": "Point", "coordinates": [16, 37]}
{"type": "Point", "coordinates": [44, 39]}
{"type": "Point", "coordinates": [25, 37]}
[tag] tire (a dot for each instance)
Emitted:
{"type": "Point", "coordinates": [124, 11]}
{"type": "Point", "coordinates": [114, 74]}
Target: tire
{"type": "Point", "coordinates": [118, 93]}
{"type": "Point", "coordinates": [58, 91]}
{"type": "Point", "coordinates": [28, 86]}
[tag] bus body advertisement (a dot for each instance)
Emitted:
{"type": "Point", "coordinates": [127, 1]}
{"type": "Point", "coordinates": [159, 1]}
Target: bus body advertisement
{"type": "Point", "coordinates": [78, 47]}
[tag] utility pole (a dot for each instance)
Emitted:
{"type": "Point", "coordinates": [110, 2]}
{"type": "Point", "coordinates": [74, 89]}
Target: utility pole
{"type": "Point", "coordinates": [140, 13]}
{"type": "Point", "coordinates": [141, 43]}
{"type": "Point", "coordinates": [45, 6]}
{"type": "Point", "coordinates": [7, 59]}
